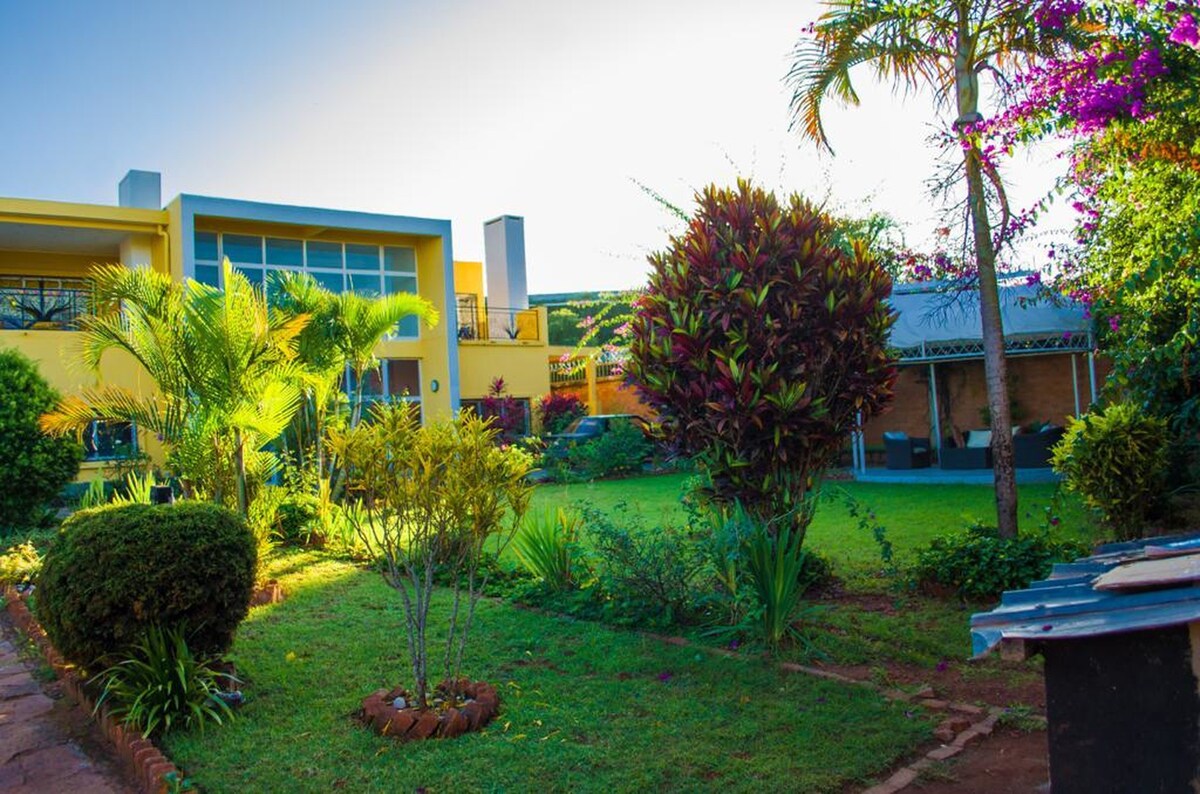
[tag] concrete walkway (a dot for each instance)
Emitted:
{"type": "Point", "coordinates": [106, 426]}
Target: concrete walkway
{"type": "Point", "coordinates": [45, 743]}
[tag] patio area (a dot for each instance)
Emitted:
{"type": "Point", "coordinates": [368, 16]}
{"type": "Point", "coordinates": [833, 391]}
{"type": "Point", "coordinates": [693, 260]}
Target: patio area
{"type": "Point", "coordinates": [935, 475]}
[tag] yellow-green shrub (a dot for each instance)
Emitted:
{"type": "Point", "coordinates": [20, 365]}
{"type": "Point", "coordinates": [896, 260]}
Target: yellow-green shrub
{"type": "Point", "coordinates": [19, 565]}
{"type": "Point", "coordinates": [1116, 459]}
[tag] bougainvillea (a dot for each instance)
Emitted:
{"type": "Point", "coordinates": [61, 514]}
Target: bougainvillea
{"type": "Point", "coordinates": [1128, 107]}
{"type": "Point", "coordinates": [760, 341]}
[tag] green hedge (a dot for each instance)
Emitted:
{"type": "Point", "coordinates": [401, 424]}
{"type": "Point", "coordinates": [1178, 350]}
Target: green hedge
{"type": "Point", "coordinates": [114, 571]}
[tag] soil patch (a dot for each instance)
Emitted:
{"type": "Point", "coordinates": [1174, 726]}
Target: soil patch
{"type": "Point", "coordinates": [955, 681]}
{"type": "Point", "coordinates": [1007, 762]}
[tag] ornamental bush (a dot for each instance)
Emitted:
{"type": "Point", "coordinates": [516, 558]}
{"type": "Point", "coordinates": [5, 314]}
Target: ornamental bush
{"type": "Point", "coordinates": [33, 466]}
{"type": "Point", "coordinates": [558, 410]}
{"type": "Point", "coordinates": [622, 450]}
{"type": "Point", "coordinates": [977, 563]}
{"type": "Point", "coordinates": [115, 571]}
{"type": "Point", "coordinates": [760, 340]}
{"type": "Point", "coordinates": [1116, 459]}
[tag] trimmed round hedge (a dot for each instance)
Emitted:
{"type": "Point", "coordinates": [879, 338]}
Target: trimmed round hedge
{"type": "Point", "coordinates": [114, 571]}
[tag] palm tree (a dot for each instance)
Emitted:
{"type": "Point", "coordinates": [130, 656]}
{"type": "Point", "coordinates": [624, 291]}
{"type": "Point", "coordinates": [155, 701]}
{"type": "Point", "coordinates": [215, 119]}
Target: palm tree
{"type": "Point", "coordinates": [224, 366]}
{"type": "Point", "coordinates": [944, 45]}
{"type": "Point", "coordinates": [344, 334]}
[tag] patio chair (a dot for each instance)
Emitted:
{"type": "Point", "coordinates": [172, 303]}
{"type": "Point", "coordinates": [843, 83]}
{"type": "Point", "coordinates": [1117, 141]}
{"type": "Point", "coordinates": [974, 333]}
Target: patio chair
{"type": "Point", "coordinates": [1032, 450]}
{"type": "Point", "coordinates": [904, 452]}
{"type": "Point", "coordinates": [976, 452]}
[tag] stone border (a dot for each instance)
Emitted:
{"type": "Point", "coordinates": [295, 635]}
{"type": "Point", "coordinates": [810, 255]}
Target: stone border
{"type": "Point", "coordinates": [144, 763]}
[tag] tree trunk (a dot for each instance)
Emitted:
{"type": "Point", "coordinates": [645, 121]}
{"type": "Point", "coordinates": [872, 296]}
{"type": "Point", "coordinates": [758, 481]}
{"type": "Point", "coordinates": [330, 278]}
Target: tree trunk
{"type": "Point", "coordinates": [995, 366]}
{"type": "Point", "coordinates": [239, 462]}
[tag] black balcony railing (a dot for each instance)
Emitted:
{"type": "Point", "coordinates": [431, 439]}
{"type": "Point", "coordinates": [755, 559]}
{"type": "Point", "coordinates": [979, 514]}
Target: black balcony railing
{"type": "Point", "coordinates": [498, 323]}
{"type": "Point", "coordinates": [50, 304]}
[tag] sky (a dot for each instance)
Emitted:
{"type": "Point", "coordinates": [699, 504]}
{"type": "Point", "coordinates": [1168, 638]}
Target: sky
{"type": "Point", "coordinates": [554, 111]}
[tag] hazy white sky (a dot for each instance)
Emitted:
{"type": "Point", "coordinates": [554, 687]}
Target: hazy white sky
{"type": "Point", "coordinates": [459, 110]}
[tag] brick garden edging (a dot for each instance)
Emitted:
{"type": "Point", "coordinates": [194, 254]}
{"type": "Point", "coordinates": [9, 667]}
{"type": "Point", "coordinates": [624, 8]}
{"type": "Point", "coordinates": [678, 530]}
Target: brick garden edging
{"type": "Point", "coordinates": [143, 762]}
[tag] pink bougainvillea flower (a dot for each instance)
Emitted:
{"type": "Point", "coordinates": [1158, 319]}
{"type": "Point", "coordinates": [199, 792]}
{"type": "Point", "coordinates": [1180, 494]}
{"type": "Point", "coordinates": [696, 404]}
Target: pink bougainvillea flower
{"type": "Point", "coordinates": [1185, 31]}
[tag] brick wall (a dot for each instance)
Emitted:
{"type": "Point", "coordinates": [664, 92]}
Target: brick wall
{"type": "Point", "coordinates": [614, 397]}
{"type": "Point", "coordinates": [1041, 386]}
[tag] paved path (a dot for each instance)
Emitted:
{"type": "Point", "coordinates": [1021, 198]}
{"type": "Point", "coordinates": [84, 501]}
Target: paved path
{"type": "Point", "coordinates": [43, 740]}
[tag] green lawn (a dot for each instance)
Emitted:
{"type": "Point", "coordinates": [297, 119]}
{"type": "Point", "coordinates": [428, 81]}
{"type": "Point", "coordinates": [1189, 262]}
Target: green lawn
{"type": "Point", "coordinates": [912, 514]}
{"type": "Point", "coordinates": [584, 708]}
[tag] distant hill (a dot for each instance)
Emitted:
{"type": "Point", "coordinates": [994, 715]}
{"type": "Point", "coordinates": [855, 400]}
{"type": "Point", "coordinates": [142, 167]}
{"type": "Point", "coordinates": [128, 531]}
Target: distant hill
{"type": "Point", "coordinates": [564, 298]}
{"type": "Point", "coordinates": [563, 317]}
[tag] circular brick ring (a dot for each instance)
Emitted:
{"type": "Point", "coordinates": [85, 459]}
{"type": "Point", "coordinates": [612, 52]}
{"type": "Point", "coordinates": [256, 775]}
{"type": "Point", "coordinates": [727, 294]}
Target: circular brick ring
{"type": "Point", "coordinates": [480, 704]}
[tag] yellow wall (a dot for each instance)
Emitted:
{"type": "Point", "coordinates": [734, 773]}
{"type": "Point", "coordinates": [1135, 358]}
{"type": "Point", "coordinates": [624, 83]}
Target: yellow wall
{"type": "Point", "coordinates": [155, 235]}
{"type": "Point", "coordinates": [468, 279]}
{"type": "Point", "coordinates": [143, 242]}
{"type": "Point", "coordinates": [521, 362]}
{"type": "Point", "coordinates": [523, 368]}
{"type": "Point", "coordinates": [57, 355]}
{"type": "Point", "coordinates": [433, 345]}
{"type": "Point", "coordinates": [40, 263]}
{"type": "Point", "coordinates": [82, 216]}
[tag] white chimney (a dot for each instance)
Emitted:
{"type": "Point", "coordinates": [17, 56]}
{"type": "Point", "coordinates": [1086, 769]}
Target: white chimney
{"type": "Point", "coordinates": [141, 189]}
{"type": "Point", "coordinates": [504, 255]}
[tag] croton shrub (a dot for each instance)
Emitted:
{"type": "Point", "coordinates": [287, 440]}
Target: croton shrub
{"type": "Point", "coordinates": [760, 341]}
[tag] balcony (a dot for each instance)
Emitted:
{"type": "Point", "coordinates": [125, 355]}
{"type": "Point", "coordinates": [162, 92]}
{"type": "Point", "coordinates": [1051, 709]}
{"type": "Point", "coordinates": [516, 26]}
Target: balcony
{"type": "Point", "coordinates": [498, 324]}
{"type": "Point", "coordinates": [34, 303]}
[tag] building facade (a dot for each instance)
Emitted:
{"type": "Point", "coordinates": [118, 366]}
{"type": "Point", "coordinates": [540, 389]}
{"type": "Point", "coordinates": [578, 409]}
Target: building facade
{"type": "Point", "coordinates": [47, 250]}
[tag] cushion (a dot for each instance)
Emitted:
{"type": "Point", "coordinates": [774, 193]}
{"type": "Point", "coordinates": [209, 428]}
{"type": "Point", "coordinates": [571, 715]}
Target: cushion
{"type": "Point", "coordinates": [977, 439]}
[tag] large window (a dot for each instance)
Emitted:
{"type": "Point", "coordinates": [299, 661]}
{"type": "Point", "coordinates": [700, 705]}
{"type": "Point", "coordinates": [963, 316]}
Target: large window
{"type": "Point", "coordinates": [396, 379]}
{"type": "Point", "coordinates": [109, 441]}
{"type": "Point", "coordinates": [338, 267]}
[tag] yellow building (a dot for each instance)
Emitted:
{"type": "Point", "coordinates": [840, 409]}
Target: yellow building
{"type": "Point", "coordinates": [47, 249]}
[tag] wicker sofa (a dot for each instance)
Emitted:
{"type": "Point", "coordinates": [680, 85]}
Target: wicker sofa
{"type": "Point", "coordinates": [1032, 450]}
{"type": "Point", "coordinates": [976, 453]}
{"type": "Point", "coordinates": [906, 452]}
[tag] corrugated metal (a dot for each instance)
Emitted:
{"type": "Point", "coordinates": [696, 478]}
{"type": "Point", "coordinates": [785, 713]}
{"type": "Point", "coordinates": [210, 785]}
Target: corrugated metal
{"type": "Point", "coordinates": [1067, 605]}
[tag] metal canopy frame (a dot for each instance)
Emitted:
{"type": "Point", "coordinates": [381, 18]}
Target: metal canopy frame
{"type": "Point", "coordinates": [969, 349]}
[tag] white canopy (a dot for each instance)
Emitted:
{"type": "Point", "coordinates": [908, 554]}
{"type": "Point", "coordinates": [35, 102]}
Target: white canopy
{"type": "Point", "coordinates": [936, 322]}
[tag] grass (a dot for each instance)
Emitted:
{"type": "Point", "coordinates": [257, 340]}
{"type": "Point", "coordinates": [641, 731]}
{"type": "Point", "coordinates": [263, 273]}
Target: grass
{"type": "Point", "coordinates": [912, 514]}
{"type": "Point", "coordinates": [584, 707]}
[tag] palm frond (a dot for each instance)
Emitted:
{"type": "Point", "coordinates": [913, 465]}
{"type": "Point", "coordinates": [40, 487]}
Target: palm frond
{"type": "Point", "coordinates": [111, 403]}
{"type": "Point", "coordinates": [899, 44]}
